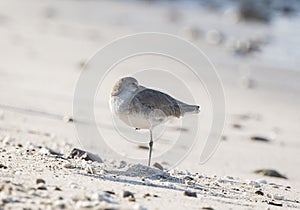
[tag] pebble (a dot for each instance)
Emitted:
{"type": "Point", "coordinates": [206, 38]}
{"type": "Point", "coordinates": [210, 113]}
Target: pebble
{"type": "Point", "coordinates": [60, 204]}
{"type": "Point", "coordinates": [3, 166]}
{"type": "Point", "coordinates": [188, 178]}
{"type": "Point", "coordinates": [157, 165]}
{"type": "Point", "coordinates": [38, 181]}
{"type": "Point", "coordinates": [147, 195]}
{"type": "Point", "coordinates": [259, 192]}
{"type": "Point", "coordinates": [123, 164]}
{"type": "Point", "coordinates": [110, 192]}
{"type": "Point", "coordinates": [237, 126]}
{"type": "Point", "coordinates": [57, 188]}
{"type": "Point", "coordinates": [41, 186]}
{"type": "Point", "coordinates": [207, 208]}
{"type": "Point", "coordinates": [69, 165]}
{"type": "Point", "coordinates": [68, 119]}
{"type": "Point", "coordinates": [5, 198]}
{"type": "Point", "coordinates": [127, 194]}
{"type": "Point", "coordinates": [278, 197]}
{"type": "Point", "coordinates": [132, 199]}
{"type": "Point", "coordinates": [143, 147]}
{"type": "Point", "coordinates": [54, 152]}
{"type": "Point", "coordinates": [190, 194]}
{"type": "Point", "coordinates": [262, 181]}
{"type": "Point", "coordinates": [275, 204]}
{"type": "Point", "coordinates": [253, 183]}
{"type": "Point", "coordinates": [259, 138]}
{"type": "Point", "coordinates": [81, 154]}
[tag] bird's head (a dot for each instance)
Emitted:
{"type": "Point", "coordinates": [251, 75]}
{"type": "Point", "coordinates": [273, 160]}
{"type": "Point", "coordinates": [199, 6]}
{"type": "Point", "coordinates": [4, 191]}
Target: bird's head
{"type": "Point", "coordinates": [128, 84]}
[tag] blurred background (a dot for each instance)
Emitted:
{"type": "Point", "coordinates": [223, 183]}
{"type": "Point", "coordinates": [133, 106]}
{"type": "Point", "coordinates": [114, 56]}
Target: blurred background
{"type": "Point", "coordinates": [254, 45]}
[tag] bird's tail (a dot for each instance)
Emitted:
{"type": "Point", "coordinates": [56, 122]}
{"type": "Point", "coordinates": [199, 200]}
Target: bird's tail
{"type": "Point", "coordinates": [189, 109]}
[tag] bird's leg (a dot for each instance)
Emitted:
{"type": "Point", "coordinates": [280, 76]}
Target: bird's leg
{"type": "Point", "coordinates": [150, 147]}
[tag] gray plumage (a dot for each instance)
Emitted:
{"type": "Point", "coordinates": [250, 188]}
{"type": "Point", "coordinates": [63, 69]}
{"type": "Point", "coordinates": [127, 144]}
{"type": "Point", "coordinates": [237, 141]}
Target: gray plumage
{"type": "Point", "coordinates": [144, 108]}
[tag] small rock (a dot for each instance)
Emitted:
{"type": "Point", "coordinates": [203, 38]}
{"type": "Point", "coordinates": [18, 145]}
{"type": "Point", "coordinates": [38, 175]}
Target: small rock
{"type": "Point", "coordinates": [157, 165]}
{"type": "Point", "coordinates": [61, 204]}
{"type": "Point", "coordinates": [68, 119]}
{"type": "Point", "coordinates": [68, 165]}
{"type": "Point", "coordinates": [190, 194]}
{"type": "Point", "coordinates": [270, 172]}
{"type": "Point", "coordinates": [259, 192]}
{"type": "Point", "coordinates": [5, 198]}
{"type": "Point", "coordinates": [38, 181]}
{"type": "Point", "coordinates": [288, 187]}
{"type": "Point", "coordinates": [147, 195]}
{"type": "Point", "coordinates": [127, 194]}
{"type": "Point", "coordinates": [237, 126]}
{"type": "Point", "coordinates": [54, 152]}
{"type": "Point", "coordinates": [57, 188]}
{"type": "Point", "coordinates": [274, 204]}
{"type": "Point", "coordinates": [207, 208]}
{"type": "Point", "coordinates": [3, 166]}
{"type": "Point", "coordinates": [110, 192]}
{"type": "Point", "coordinates": [262, 181]}
{"type": "Point", "coordinates": [143, 147]}
{"type": "Point", "coordinates": [253, 183]}
{"type": "Point", "coordinates": [188, 178]}
{"type": "Point", "coordinates": [41, 186]}
{"type": "Point", "coordinates": [123, 164]}
{"type": "Point", "coordinates": [259, 138]}
{"type": "Point", "coordinates": [131, 199]}
{"type": "Point", "coordinates": [81, 154]}
{"type": "Point", "coordinates": [278, 197]}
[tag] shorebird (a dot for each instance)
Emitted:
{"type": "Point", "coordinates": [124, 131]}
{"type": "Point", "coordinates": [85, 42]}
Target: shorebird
{"type": "Point", "coordinates": [143, 108]}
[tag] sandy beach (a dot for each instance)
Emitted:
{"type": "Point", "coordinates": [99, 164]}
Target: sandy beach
{"type": "Point", "coordinates": [44, 46]}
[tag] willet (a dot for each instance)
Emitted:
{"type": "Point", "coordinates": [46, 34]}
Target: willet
{"type": "Point", "coordinates": [143, 108]}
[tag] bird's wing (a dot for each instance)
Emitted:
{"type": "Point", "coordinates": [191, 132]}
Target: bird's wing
{"type": "Point", "coordinates": [150, 100]}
